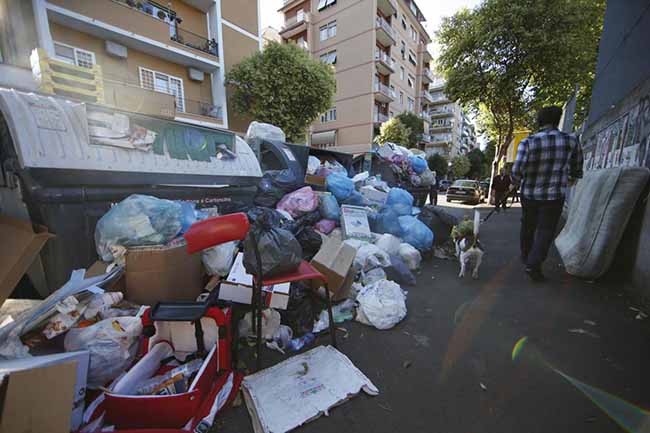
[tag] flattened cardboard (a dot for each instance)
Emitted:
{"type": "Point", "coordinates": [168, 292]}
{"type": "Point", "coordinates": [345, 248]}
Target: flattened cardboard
{"type": "Point", "coordinates": [20, 246]}
{"type": "Point", "coordinates": [43, 393]}
{"type": "Point", "coordinates": [334, 260]}
{"type": "Point", "coordinates": [162, 274]}
{"type": "Point", "coordinates": [310, 179]}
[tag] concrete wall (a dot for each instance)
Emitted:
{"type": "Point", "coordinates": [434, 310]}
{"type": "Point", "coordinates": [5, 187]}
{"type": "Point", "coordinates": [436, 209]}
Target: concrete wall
{"type": "Point", "coordinates": [242, 13]}
{"type": "Point", "coordinates": [17, 32]}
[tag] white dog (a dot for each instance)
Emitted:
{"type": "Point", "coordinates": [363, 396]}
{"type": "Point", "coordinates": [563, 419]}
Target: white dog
{"type": "Point", "coordinates": [469, 251]}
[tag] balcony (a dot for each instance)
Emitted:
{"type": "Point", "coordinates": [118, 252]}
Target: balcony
{"type": "Point", "coordinates": [138, 29]}
{"type": "Point", "coordinates": [379, 118]}
{"type": "Point", "coordinates": [425, 116]}
{"type": "Point", "coordinates": [295, 25]}
{"type": "Point", "coordinates": [384, 63]}
{"type": "Point", "coordinates": [427, 76]}
{"type": "Point", "coordinates": [426, 139]}
{"type": "Point", "coordinates": [383, 93]}
{"type": "Point", "coordinates": [439, 99]}
{"type": "Point", "coordinates": [385, 33]}
{"type": "Point", "coordinates": [288, 4]}
{"type": "Point", "coordinates": [427, 98]}
{"type": "Point", "coordinates": [440, 112]}
{"type": "Point", "coordinates": [441, 139]}
{"type": "Point", "coordinates": [388, 7]}
{"type": "Point", "coordinates": [426, 55]}
{"type": "Point", "coordinates": [444, 126]}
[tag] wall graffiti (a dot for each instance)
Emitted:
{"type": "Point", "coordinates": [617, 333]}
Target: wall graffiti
{"type": "Point", "coordinates": [623, 143]}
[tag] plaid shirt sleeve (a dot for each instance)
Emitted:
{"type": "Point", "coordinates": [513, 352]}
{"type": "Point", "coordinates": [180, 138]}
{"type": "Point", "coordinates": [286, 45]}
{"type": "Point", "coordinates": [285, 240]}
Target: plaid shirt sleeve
{"type": "Point", "coordinates": [576, 161]}
{"type": "Point", "coordinates": [519, 166]}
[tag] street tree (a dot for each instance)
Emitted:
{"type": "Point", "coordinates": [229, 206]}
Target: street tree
{"type": "Point", "coordinates": [438, 163]}
{"type": "Point", "coordinates": [393, 131]}
{"type": "Point", "coordinates": [460, 166]}
{"type": "Point", "coordinates": [284, 86]}
{"type": "Point", "coordinates": [505, 58]}
{"type": "Point", "coordinates": [415, 125]}
{"type": "Point", "coordinates": [477, 164]}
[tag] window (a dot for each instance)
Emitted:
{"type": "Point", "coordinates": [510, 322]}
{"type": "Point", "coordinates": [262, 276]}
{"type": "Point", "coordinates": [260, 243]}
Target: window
{"type": "Point", "coordinates": [403, 22]}
{"type": "Point", "coordinates": [401, 98]}
{"type": "Point", "coordinates": [163, 83]}
{"type": "Point", "coordinates": [412, 58]}
{"type": "Point", "coordinates": [328, 31]}
{"type": "Point", "coordinates": [73, 55]}
{"type": "Point", "coordinates": [328, 116]}
{"type": "Point", "coordinates": [401, 73]}
{"type": "Point", "coordinates": [414, 34]}
{"type": "Point", "coordinates": [392, 89]}
{"type": "Point", "coordinates": [403, 50]}
{"type": "Point", "coordinates": [329, 58]}
{"type": "Point", "coordinates": [411, 104]}
{"type": "Point", "coordinates": [411, 81]}
{"type": "Point", "coordinates": [322, 4]}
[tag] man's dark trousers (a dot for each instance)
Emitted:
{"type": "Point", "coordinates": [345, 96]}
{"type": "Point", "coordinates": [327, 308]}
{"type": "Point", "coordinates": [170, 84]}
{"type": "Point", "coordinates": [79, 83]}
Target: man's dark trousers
{"type": "Point", "coordinates": [538, 224]}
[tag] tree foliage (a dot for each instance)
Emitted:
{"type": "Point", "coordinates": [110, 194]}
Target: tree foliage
{"type": "Point", "coordinates": [415, 125]}
{"type": "Point", "coordinates": [284, 86]}
{"type": "Point", "coordinates": [460, 166]}
{"type": "Point", "coordinates": [477, 164]}
{"type": "Point", "coordinates": [506, 58]}
{"type": "Point", "coordinates": [393, 131]}
{"type": "Point", "coordinates": [438, 163]}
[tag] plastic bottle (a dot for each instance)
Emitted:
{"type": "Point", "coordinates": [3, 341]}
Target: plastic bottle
{"type": "Point", "coordinates": [158, 383]}
{"type": "Point", "coordinates": [298, 343]}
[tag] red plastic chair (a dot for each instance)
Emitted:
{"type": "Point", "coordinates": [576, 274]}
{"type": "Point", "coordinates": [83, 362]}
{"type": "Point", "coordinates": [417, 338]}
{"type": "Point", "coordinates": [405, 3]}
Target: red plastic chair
{"type": "Point", "coordinates": [218, 230]}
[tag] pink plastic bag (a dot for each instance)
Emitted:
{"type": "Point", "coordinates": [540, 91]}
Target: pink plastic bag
{"type": "Point", "coordinates": [325, 226]}
{"type": "Point", "coordinates": [299, 202]}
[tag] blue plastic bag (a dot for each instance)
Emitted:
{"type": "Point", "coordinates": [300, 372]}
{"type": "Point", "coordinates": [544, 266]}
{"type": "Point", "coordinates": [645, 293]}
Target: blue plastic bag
{"type": "Point", "coordinates": [329, 208]}
{"type": "Point", "coordinates": [385, 221]}
{"type": "Point", "coordinates": [416, 233]}
{"type": "Point", "coordinates": [356, 199]}
{"type": "Point", "coordinates": [138, 220]}
{"type": "Point", "coordinates": [400, 200]}
{"type": "Point", "coordinates": [340, 185]}
{"type": "Point", "coordinates": [419, 165]}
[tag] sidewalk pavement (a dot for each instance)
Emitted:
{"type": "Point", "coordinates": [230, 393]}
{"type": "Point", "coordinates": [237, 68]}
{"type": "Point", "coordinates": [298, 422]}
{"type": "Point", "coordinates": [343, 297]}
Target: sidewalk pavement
{"type": "Point", "coordinates": [447, 367]}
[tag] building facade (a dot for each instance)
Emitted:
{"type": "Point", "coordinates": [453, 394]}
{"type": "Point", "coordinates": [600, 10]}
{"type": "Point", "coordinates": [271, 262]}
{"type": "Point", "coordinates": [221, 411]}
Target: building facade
{"type": "Point", "coordinates": [157, 58]}
{"type": "Point", "coordinates": [452, 132]}
{"type": "Point", "coordinates": [378, 49]}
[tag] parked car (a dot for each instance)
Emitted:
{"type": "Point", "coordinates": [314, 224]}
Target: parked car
{"type": "Point", "coordinates": [485, 186]}
{"type": "Point", "coordinates": [443, 185]}
{"type": "Point", "coordinates": [465, 190]}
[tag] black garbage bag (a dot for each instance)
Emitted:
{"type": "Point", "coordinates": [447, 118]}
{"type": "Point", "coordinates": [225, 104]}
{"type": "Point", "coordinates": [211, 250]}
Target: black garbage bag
{"type": "Point", "coordinates": [307, 220]}
{"type": "Point", "coordinates": [439, 221]}
{"type": "Point", "coordinates": [275, 184]}
{"type": "Point", "coordinates": [301, 311]}
{"type": "Point", "coordinates": [399, 272]}
{"type": "Point", "coordinates": [310, 241]}
{"type": "Point", "coordinates": [267, 215]}
{"type": "Point", "coordinates": [279, 250]}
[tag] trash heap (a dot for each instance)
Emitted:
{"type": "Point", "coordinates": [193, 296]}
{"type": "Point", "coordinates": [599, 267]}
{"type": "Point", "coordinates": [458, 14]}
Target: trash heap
{"type": "Point", "coordinates": [408, 167]}
{"type": "Point", "coordinates": [131, 320]}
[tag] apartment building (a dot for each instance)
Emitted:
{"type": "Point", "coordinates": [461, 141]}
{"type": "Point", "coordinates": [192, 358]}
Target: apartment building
{"type": "Point", "coordinates": [378, 49]}
{"type": "Point", "coordinates": [165, 59]}
{"type": "Point", "coordinates": [452, 132]}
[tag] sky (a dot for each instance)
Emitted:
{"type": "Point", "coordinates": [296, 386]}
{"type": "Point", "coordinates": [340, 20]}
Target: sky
{"type": "Point", "coordinates": [433, 10]}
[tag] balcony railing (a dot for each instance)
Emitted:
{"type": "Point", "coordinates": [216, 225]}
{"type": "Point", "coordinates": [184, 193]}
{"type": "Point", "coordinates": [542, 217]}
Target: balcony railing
{"type": "Point", "coordinates": [427, 96]}
{"type": "Point", "coordinates": [203, 108]}
{"type": "Point", "coordinates": [424, 115]}
{"type": "Point", "coordinates": [381, 56]}
{"type": "Point", "coordinates": [429, 74]}
{"type": "Point", "coordinates": [426, 138]}
{"type": "Point", "coordinates": [380, 117]}
{"type": "Point", "coordinates": [385, 25]}
{"type": "Point", "coordinates": [441, 138]}
{"type": "Point", "coordinates": [198, 42]}
{"type": "Point", "coordinates": [384, 90]}
{"type": "Point", "coordinates": [293, 21]}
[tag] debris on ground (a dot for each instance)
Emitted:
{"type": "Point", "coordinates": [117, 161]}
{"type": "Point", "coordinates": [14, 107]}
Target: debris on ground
{"type": "Point", "coordinates": [584, 332]}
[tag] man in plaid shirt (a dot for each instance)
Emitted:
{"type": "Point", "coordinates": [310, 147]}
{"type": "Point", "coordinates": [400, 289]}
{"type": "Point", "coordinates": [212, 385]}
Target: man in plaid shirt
{"type": "Point", "coordinates": [547, 163]}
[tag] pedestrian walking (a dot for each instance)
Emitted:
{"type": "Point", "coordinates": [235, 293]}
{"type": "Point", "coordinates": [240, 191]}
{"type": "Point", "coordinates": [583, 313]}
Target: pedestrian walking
{"type": "Point", "coordinates": [547, 163]}
{"type": "Point", "coordinates": [500, 187]}
{"type": "Point", "coordinates": [433, 190]}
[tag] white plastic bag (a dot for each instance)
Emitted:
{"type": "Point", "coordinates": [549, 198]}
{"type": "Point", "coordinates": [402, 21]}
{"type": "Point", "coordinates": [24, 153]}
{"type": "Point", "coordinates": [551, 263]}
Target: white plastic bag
{"type": "Point", "coordinates": [112, 343]}
{"type": "Point", "coordinates": [313, 164]}
{"type": "Point", "coordinates": [381, 304]}
{"type": "Point", "coordinates": [270, 324]}
{"type": "Point", "coordinates": [410, 255]}
{"type": "Point", "coordinates": [372, 276]}
{"type": "Point", "coordinates": [369, 256]}
{"type": "Point", "coordinates": [389, 243]}
{"type": "Point", "coordinates": [218, 260]}
{"type": "Point", "coordinates": [264, 131]}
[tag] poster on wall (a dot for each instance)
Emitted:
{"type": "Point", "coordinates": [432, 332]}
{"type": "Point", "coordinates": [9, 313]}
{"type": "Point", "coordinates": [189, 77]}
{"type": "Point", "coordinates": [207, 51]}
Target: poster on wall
{"type": "Point", "coordinates": [601, 149]}
{"type": "Point", "coordinates": [643, 133]}
{"type": "Point", "coordinates": [629, 148]}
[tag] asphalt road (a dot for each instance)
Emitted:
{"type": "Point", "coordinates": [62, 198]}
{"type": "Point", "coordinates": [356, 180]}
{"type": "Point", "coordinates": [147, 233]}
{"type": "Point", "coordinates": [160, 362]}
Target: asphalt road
{"type": "Point", "coordinates": [447, 367]}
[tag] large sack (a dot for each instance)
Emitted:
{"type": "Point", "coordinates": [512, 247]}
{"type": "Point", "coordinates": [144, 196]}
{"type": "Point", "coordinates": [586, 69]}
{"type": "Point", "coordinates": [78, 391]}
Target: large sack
{"type": "Point", "coordinates": [439, 221]}
{"type": "Point", "coordinates": [600, 208]}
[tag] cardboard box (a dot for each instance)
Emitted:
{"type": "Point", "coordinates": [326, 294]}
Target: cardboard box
{"type": "Point", "coordinates": [310, 179]}
{"type": "Point", "coordinates": [373, 195]}
{"type": "Point", "coordinates": [334, 261]}
{"type": "Point", "coordinates": [354, 222]}
{"type": "Point", "coordinates": [162, 274]}
{"type": "Point", "coordinates": [20, 246]}
{"type": "Point", "coordinates": [238, 287]}
{"type": "Point", "coordinates": [43, 393]}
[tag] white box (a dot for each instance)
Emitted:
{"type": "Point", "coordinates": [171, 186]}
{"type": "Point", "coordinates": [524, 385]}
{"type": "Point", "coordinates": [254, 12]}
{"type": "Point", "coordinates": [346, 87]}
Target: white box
{"type": "Point", "coordinates": [354, 222]}
{"type": "Point", "coordinates": [277, 296]}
